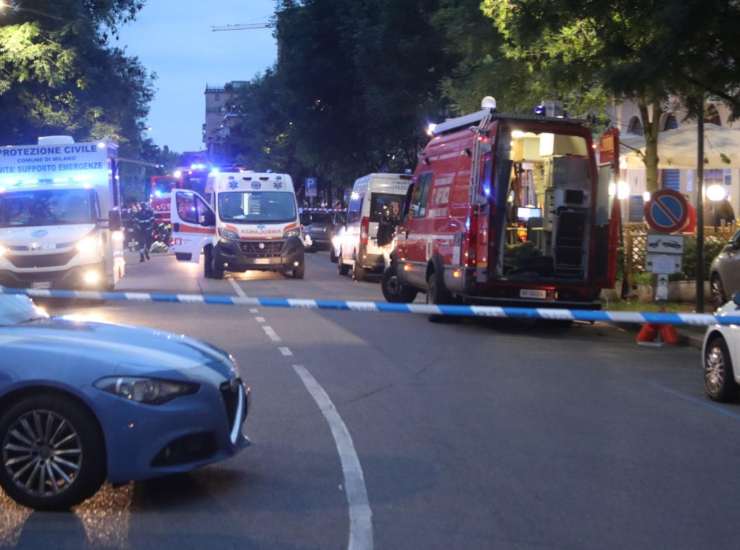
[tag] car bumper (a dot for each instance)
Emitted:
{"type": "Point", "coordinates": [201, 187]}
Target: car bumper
{"type": "Point", "coordinates": [68, 278]}
{"type": "Point", "coordinates": [235, 259]}
{"type": "Point", "coordinates": [147, 441]}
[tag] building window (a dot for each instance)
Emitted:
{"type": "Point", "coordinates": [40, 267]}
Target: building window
{"type": "Point", "coordinates": [670, 123]}
{"type": "Point", "coordinates": [711, 116]}
{"type": "Point", "coordinates": [635, 126]}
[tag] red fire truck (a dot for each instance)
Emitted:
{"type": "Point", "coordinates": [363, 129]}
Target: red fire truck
{"type": "Point", "coordinates": [507, 210]}
{"type": "Point", "coordinates": [160, 190]}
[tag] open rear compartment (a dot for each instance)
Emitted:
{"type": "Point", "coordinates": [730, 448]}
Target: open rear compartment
{"type": "Point", "coordinates": [545, 181]}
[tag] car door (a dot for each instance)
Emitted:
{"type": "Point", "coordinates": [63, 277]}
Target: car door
{"type": "Point", "coordinates": [417, 231]}
{"type": "Point", "coordinates": [193, 224]}
{"type": "Point", "coordinates": [729, 267]}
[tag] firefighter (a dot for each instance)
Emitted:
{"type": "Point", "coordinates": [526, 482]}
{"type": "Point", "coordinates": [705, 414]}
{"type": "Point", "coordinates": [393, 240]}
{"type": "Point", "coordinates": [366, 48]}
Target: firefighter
{"type": "Point", "coordinates": [144, 220]}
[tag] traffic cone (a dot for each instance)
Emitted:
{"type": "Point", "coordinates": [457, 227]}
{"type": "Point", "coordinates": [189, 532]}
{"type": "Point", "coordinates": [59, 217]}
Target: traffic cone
{"type": "Point", "coordinates": [669, 335]}
{"type": "Point", "coordinates": [647, 335]}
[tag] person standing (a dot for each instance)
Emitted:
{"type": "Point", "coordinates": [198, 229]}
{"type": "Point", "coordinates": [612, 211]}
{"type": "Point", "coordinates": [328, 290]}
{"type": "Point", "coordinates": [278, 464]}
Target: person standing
{"type": "Point", "coordinates": [144, 219]}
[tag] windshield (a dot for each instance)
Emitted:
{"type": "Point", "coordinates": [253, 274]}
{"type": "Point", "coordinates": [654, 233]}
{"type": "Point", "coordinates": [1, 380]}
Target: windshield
{"type": "Point", "coordinates": [256, 207]}
{"type": "Point", "coordinates": [51, 207]}
{"type": "Point", "coordinates": [162, 187]}
{"type": "Point", "coordinates": [320, 218]}
{"type": "Point", "coordinates": [385, 206]}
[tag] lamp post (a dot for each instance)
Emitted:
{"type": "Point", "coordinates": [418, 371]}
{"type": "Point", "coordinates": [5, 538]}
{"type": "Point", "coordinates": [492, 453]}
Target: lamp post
{"type": "Point", "coordinates": [700, 209]}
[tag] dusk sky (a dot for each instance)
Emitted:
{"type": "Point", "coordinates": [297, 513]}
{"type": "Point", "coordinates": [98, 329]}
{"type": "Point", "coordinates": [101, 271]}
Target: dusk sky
{"type": "Point", "coordinates": [174, 39]}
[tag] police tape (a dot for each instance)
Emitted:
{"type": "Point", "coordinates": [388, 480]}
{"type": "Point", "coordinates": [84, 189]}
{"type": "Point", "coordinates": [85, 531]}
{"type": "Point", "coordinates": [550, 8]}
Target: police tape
{"type": "Point", "coordinates": [495, 312]}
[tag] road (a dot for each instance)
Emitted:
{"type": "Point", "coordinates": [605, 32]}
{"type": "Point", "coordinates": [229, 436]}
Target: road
{"type": "Point", "coordinates": [473, 434]}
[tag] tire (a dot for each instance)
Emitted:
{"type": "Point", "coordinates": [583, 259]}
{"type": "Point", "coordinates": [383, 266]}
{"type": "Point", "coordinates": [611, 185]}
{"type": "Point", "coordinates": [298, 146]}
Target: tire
{"type": "Point", "coordinates": [80, 440]}
{"type": "Point", "coordinates": [207, 263]}
{"type": "Point", "coordinates": [394, 291]}
{"type": "Point", "coordinates": [359, 273]}
{"type": "Point", "coordinates": [342, 268]}
{"type": "Point", "coordinates": [719, 296]}
{"type": "Point", "coordinates": [299, 272]}
{"type": "Point", "coordinates": [217, 267]}
{"type": "Point", "coordinates": [437, 294]}
{"type": "Point", "coordinates": [719, 378]}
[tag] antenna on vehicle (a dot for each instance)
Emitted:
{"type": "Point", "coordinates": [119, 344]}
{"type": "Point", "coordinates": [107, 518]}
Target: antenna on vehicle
{"type": "Point", "coordinates": [489, 102]}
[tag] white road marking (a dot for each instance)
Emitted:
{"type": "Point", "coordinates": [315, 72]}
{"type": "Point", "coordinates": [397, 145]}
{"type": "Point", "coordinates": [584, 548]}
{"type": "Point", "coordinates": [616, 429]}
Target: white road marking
{"type": "Point", "coordinates": [271, 334]}
{"type": "Point", "coordinates": [254, 310]}
{"type": "Point", "coordinates": [260, 319]}
{"type": "Point", "coordinates": [360, 514]}
{"type": "Point", "coordinates": [237, 289]}
{"type": "Point", "coordinates": [285, 351]}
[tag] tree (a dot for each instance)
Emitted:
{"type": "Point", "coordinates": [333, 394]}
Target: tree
{"type": "Point", "coordinates": [58, 73]}
{"type": "Point", "coordinates": [645, 51]}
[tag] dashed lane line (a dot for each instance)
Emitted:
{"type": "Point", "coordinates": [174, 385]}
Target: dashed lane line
{"type": "Point", "coordinates": [271, 334]}
{"type": "Point", "coordinates": [285, 351]}
{"type": "Point", "coordinates": [360, 513]}
{"type": "Point", "coordinates": [238, 289]}
{"type": "Point", "coordinates": [260, 319]}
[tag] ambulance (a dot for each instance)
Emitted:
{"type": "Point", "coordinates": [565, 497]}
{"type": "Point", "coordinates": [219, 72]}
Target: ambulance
{"type": "Point", "coordinates": [60, 221]}
{"type": "Point", "coordinates": [244, 221]}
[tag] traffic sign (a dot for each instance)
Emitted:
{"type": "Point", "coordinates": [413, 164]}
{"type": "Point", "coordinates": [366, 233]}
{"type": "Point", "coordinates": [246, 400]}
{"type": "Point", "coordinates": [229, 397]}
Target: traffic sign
{"type": "Point", "coordinates": [667, 211]}
{"type": "Point", "coordinates": [311, 187]}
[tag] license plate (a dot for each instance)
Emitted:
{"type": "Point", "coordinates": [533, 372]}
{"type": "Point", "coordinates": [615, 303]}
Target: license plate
{"type": "Point", "coordinates": [41, 285]}
{"type": "Point", "coordinates": [265, 261]}
{"type": "Point", "coordinates": [533, 294]}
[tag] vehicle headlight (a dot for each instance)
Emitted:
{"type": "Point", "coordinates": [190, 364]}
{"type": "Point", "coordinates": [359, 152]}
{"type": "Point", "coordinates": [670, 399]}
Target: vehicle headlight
{"type": "Point", "coordinates": [292, 233]}
{"type": "Point", "coordinates": [149, 391]}
{"type": "Point", "coordinates": [88, 245]}
{"type": "Point", "coordinates": [228, 234]}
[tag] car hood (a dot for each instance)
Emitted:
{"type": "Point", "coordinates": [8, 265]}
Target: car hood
{"type": "Point", "coordinates": [128, 350]}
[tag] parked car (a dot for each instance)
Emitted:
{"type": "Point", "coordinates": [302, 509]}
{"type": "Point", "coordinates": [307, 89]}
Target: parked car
{"type": "Point", "coordinates": [724, 274]}
{"type": "Point", "coordinates": [82, 402]}
{"type": "Point", "coordinates": [721, 357]}
{"type": "Point", "coordinates": [372, 217]}
{"type": "Point", "coordinates": [321, 225]}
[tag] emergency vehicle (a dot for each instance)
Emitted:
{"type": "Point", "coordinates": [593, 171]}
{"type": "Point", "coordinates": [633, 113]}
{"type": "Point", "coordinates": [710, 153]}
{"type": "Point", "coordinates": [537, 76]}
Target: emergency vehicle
{"type": "Point", "coordinates": [373, 213]}
{"type": "Point", "coordinates": [244, 221]}
{"type": "Point", "coordinates": [160, 196]}
{"type": "Point", "coordinates": [60, 221]}
{"type": "Point", "coordinates": [507, 209]}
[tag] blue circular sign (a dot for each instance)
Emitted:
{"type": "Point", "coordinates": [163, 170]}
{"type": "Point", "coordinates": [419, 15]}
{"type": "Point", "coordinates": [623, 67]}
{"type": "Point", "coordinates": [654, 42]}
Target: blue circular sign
{"type": "Point", "coordinates": [667, 211]}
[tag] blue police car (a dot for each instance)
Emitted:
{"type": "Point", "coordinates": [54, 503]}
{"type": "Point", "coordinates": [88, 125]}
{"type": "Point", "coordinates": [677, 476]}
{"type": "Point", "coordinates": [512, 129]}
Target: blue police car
{"type": "Point", "coordinates": [81, 403]}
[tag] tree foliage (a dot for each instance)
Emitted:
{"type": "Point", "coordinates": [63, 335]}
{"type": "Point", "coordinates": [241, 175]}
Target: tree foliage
{"type": "Point", "coordinates": [59, 73]}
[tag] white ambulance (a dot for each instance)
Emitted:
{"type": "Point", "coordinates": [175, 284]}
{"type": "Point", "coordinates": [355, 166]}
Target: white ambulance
{"type": "Point", "coordinates": [245, 221]}
{"type": "Point", "coordinates": [60, 222]}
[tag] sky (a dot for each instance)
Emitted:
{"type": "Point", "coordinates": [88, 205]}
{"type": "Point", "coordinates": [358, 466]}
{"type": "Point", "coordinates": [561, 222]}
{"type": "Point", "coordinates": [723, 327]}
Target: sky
{"type": "Point", "coordinates": [173, 39]}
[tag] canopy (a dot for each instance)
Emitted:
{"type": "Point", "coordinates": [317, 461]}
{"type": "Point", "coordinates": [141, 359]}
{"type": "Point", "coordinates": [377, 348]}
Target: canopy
{"type": "Point", "coordinates": [678, 148]}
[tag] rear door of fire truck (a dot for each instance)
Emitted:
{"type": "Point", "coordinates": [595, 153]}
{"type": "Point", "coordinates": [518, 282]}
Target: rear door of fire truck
{"type": "Point", "coordinates": [193, 224]}
{"type": "Point", "coordinates": [607, 227]}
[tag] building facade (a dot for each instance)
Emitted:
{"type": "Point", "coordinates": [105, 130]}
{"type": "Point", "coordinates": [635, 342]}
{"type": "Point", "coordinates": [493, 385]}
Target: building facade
{"type": "Point", "coordinates": [626, 117]}
{"type": "Point", "coordinates": [219, 120]}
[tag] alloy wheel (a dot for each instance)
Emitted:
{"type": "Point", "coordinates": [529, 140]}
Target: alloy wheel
{"type": "Point", "coordinates": [42, 453]}
{"type": "Point", "coordinates": [714, 368]}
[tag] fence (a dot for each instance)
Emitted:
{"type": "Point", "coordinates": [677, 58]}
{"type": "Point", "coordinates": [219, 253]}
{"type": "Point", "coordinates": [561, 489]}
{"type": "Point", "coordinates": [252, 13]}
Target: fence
{"type": "Point", "coordinates": [635, 242]}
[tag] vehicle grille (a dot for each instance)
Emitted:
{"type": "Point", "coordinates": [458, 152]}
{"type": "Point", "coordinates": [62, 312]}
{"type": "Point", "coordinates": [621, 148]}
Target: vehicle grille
{"type": "Point", "coordinates": [41, 260]}
{"type": "Point", "coordinates": [230, 396]}
{"type": "Point", "coordinates": [261, 249]}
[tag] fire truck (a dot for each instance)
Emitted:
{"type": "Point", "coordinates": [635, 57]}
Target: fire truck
{"type": "Point", "coordinates": [507, 210]}
{"type": "Point", "coordinates": [160, 191]}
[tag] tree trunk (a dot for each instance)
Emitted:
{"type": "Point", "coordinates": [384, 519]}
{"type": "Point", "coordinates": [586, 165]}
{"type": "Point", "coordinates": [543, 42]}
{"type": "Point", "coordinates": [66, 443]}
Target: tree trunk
{"type": "Point", "coordinates": [651, 128]}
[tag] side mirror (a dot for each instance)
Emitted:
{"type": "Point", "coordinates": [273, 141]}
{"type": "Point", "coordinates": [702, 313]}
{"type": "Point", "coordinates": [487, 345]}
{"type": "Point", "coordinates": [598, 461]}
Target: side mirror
{"type": "Point", "coordinates": [114, 220]}
{"type": "Point", "coordinates": [736, 298]}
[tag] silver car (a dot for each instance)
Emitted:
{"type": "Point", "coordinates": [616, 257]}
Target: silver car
{"type": "Point", "coordinates": [725, 272]}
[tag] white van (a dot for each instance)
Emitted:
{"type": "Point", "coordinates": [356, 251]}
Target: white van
{"type": "Point", "coordinates": [374, 212]}
{"type": "Point", "coordinates": [245, 221]}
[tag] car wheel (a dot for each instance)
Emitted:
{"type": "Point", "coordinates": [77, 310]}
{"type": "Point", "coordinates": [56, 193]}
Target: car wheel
{"type": "Point", "coordinates": [359, 273]}
{"type": "Point", "coordinates": [217, 266]}
{"type": "Point", "coordinates": [342, 268]}
{"type": "Point", "coordinates": [437, 294]}
{"type": "Point", "coordinates": [719, 378]}
{"type": "Point", "coordinates": [394, 290]}
{"type": "Point", "coordinates": [299, 272]}
{"type": "Point", "coordinates": [718, 290]}
{"type": "Point", "coordinates": [207, 263]}
{"type": "Point", "coordinates": [53, 454]}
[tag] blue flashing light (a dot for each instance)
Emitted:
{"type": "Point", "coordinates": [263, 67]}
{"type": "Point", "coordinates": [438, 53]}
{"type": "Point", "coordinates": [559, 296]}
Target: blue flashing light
{"type": "Point", "coordinates": [158, 194]}
{"type": "Point", "coordinates": [540, 110]}
{"type": "Point", "coordinates": [215, 171]}
{"type": "Point", "coordinates": [198, 166]}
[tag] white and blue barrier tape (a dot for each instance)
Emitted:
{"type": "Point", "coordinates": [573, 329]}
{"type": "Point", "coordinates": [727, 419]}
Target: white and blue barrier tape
{"type": "Point", "coordinates": [678, 319]}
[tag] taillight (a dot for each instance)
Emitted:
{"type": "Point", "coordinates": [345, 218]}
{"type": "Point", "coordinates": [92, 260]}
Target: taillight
{"type": "Point", "coordinates": [364, 231]}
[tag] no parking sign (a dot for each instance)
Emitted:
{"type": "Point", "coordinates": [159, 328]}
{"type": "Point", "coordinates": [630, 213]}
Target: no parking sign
{"type": "Point", "coordinates": [667, 211]}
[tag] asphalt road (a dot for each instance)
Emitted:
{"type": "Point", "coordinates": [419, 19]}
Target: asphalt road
{"type": "Point", "coordinates": [468, 435]}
